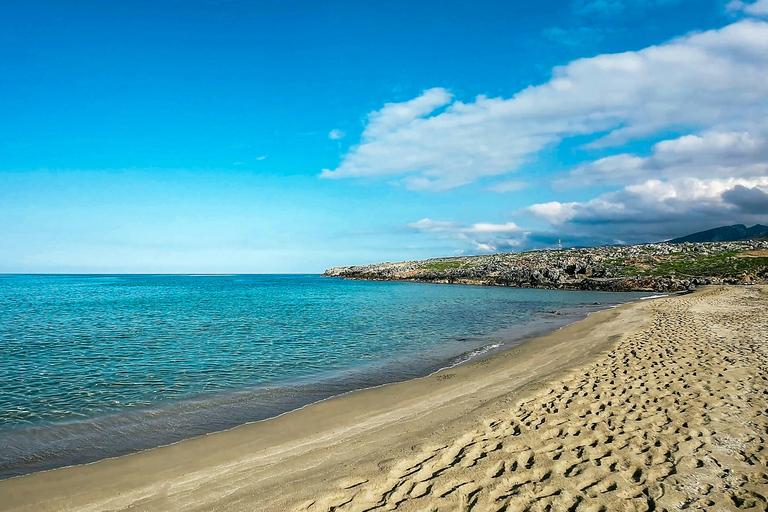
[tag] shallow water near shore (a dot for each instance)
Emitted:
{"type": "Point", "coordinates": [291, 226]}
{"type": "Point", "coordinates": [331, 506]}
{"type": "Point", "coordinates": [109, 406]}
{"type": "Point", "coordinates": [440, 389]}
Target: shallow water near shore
{"type": "Point", "coordinates": [100, 366]}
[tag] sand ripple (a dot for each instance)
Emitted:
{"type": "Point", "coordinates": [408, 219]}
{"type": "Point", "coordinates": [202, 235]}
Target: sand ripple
{"type": "Point", "coordinates": [674, 417]}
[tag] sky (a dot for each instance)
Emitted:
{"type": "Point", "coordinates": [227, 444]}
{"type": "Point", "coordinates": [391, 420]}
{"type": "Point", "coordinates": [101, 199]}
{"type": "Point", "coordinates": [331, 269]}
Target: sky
{"type": "Point", "coordinates": [289, 137]}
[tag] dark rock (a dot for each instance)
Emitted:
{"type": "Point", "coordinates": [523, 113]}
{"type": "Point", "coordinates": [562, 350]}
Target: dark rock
{"type": "Point", "coordinates": [596, 268]}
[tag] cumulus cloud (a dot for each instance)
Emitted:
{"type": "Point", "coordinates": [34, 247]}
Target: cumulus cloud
{"type": "Point", "coordinates": [686, 184]}
{"type": "Point", "coordinates": [336, 134]}
{"type": "Point", "coordinates": [714, 81]}
{"type": "Point", "coordinates": [483, 237]}
{"type": "Point", "coordinates": [553, 212]}
{"type": "Point", "coordinates": [657, 209]}
{"type": "Point", "coordinates": [396, 115]}
{"type": "Point", "coordinates": [709, 155]}
{"type": "Point", "coordinates": [507, 237]}
{"type": "Point", "coordinates": [756, 8]}
{"type": "Point", "coordinates": [711, 87]}
{"type": "Point", "coordinates": [749, 200]}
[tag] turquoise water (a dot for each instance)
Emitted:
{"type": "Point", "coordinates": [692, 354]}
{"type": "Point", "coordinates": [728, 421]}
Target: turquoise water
{"type": "Point", "coordinates": [98, 366]}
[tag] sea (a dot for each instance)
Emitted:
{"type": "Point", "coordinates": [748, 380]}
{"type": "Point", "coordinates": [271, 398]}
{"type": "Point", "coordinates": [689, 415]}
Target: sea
{"type": "Point", "coordinates": [97, 366]}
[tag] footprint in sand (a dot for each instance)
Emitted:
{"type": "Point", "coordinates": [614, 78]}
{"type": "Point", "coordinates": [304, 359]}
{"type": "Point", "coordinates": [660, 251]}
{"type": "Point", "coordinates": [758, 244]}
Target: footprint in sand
{"type": "Point", "coordinates": [675, 417]}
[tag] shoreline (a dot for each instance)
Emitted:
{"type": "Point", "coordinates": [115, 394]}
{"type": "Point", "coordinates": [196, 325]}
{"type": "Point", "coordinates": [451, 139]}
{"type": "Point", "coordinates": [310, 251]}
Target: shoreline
{"type": "Point", "coordinates": [360, 408]}
{"type": "Point", "coordinates": [670, 416]}
{"type": "Point", "coordinates": [492, 343]}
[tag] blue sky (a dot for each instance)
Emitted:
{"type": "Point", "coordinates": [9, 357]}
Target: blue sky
{"type": "Point", "coordinates": [292, 136]}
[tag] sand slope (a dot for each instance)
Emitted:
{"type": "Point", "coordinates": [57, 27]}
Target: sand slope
{"type": "Point", "coordinates": [675, 417]}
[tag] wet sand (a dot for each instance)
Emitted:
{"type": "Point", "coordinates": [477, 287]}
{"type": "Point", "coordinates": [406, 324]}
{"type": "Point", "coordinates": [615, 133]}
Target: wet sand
{"type": "Point", "coordinates": [655, 405]}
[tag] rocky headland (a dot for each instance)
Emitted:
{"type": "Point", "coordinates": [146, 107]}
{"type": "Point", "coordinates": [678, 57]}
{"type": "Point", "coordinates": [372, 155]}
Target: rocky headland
{"type": "Point", "coordinates": [662, 267]}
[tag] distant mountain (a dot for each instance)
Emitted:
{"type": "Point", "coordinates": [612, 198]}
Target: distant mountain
{"type": "Point", "coordinates": [725, 234]}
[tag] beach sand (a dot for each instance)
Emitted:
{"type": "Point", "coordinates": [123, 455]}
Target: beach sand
{"type": "Point", "coordinates": [657, 405]}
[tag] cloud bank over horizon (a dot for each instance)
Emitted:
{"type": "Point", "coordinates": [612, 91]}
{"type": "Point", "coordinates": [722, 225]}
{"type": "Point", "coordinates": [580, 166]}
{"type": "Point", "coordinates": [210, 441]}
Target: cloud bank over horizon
{"type": "Point", "coordinates": [702, 97]}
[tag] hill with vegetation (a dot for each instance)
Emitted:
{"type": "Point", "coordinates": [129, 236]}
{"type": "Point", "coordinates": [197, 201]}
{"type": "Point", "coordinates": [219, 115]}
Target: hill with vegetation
{"type": "Point", "coordinates": [725, 234]}
{"type": "Point", "coordinates": [659, 267]}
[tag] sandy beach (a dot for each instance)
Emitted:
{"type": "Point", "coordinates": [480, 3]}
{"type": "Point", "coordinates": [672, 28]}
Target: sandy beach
{"type": "Point", "coordinates": [656, 405]}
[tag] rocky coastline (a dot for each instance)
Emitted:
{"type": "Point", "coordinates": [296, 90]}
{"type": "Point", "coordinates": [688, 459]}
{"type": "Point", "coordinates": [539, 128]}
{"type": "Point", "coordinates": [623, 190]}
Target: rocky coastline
{"type": "Point", "coordinates": [661, 267]}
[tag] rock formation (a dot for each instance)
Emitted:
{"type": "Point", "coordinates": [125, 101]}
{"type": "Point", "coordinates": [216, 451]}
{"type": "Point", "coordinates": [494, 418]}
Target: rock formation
{"type": "Point", "coordinates": [662, 267]}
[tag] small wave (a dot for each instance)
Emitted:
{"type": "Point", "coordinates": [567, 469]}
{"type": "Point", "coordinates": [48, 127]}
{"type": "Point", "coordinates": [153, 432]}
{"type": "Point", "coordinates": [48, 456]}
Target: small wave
{"type": "Point", "coordinates": [478, 352]}
{"type": "Point", "coordinates": [654, 297]}
{"type": "Point", "coordinates": [468, 356]}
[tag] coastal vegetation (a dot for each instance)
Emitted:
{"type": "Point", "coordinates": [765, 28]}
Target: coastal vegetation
{"type": "Point", "coordinates": [657, 267]}
{"type": "Point", "coordinates": [444, 265]}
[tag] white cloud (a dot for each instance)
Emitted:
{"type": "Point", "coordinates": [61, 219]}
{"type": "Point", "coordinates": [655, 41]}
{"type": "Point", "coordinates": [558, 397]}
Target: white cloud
{"type": "Point", "coordinates": [611, 169]}
{"type": "Point", "coordinates": [509, 227]}
{"type": "Point", "coordinates": [438, 226]}
{"type": "Point", "coordinates": [709, 155]}
{"type": "Point", "coordinates": [661, 209]}
{"type": "Point", "coordinates": [554, 212]}
{"type": "Point", "coordinates": [710, 86]}
{"type": "Point", "coordinates": [507, 186]}
{"type": "Point", "coordinates": [757, 8]}
{"type": "Point", "coordinates": [481, 247]}
{"type": "Point", "coordinates": [433, 226]}
{"type": "Point", "coordinates": [336, 134]}
{"type": "Point", "coordinates": [686, 184]}
{"type": "Point", "coordinates": [714, 81]}
{"type": "Point", "coordinates": [396, 115]}
{"type": "Point", "coordinates": [261, 158]}
{"type": "Point", "coordinates": [483, 237]}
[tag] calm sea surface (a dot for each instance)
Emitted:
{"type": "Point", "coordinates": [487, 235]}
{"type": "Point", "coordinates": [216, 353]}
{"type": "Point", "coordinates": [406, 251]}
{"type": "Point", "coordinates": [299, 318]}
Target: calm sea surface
{"type": "Point", "coordinates": [99, 366]}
